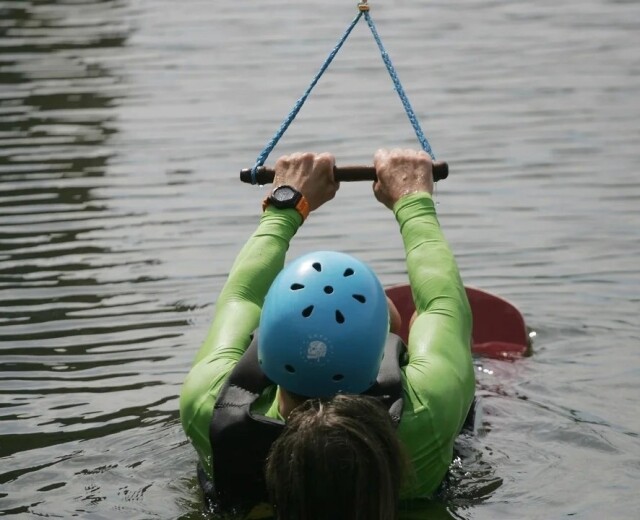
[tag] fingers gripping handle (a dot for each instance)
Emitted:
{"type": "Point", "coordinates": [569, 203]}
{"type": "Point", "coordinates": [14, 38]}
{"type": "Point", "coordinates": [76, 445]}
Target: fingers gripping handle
{"type": "Point", "coordinates": [265, 175]}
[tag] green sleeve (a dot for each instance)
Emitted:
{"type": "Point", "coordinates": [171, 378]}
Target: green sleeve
{"type": "Point", "coordinates": [236, 316]}
{"type": "Point", "coordinates": [439, 378]}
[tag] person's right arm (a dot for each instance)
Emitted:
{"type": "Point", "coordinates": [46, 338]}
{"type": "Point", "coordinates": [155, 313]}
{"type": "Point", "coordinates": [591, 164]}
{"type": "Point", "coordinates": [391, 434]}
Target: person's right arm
{"type": "Point", "coordinates": [439, 376]}
{"type": "Point", "coordinates": [440, 368]}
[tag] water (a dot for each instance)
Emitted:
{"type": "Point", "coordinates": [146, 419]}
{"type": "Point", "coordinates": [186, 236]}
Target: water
{"type": "Point", "coordinates": [123, 125]}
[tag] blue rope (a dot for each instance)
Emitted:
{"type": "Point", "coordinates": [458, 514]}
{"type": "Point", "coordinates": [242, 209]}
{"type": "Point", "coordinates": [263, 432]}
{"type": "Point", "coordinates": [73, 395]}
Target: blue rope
{"type": "Point", "coordinates": [396, 82]}
{"type": "Point", "coordinates": [294, 111]}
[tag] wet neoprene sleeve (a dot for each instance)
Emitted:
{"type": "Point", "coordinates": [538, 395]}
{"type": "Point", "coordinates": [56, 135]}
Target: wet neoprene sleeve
{"type": "Point", "coordinates": [439, 379]}
{"type": "Point", "coordinates": [236, 316]}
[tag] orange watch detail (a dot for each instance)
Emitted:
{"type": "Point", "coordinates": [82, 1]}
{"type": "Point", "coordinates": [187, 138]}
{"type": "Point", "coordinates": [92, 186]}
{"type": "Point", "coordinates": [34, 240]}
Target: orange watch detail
{"type": "Point", "coordinates": [287, 197]}
{"type": "Point", "coordinates": [303, 207]}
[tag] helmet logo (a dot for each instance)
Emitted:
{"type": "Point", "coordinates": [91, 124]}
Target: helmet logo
{"type": "Point", "coordinates": [316, 350]}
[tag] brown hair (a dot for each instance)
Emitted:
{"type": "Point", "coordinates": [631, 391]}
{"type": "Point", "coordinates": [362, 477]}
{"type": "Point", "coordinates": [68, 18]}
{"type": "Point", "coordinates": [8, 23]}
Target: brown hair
{"type": "Point", "coordinates": [337, 459]}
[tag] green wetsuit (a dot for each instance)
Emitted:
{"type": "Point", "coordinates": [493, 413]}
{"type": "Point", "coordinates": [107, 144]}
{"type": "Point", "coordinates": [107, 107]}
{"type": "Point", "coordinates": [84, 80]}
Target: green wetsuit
{"type": "Point", "coordinates": [438, 381]}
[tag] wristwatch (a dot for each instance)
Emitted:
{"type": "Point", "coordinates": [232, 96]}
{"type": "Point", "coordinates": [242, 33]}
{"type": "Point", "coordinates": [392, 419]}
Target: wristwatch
{"type": "Point", "coordinates": [286, 196]}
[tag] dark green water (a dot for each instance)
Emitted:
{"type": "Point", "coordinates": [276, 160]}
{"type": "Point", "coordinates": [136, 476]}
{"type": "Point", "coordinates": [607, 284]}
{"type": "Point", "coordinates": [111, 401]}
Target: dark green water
{"type": "Point", "coordinates": [123, 125]}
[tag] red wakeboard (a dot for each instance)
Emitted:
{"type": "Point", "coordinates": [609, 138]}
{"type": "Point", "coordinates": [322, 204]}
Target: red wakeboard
{"type": "Point", "coordinates": [499, 330]}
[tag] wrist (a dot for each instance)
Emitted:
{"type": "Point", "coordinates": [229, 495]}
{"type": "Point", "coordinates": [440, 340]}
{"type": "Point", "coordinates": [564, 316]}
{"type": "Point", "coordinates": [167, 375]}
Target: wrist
{"type": "Point", "coordinates": [413, 200]}
{"type": "Point", "coordinates": [287, 197]}
{"type": "Point", "coordinates": [286, 217]}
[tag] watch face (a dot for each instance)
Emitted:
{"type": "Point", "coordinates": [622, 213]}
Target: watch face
{"type": "Point", "coordinates": [284, 194]}
{"type": "Point", "coordinates": [285, 197]}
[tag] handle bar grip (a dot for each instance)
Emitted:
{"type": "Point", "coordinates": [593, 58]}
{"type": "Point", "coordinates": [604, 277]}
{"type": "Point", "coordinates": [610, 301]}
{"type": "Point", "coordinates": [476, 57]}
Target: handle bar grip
{"type": "Point", "coordinates": [265, 175]}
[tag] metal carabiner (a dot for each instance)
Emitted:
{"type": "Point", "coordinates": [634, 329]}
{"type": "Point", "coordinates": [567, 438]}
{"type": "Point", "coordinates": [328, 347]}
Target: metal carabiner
{"type": "Point", "coordinates": [363, 6]}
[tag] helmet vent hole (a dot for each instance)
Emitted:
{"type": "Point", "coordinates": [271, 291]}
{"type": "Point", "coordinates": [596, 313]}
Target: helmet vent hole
{"type": "Point", "coordinates": [359, 297]}
{"type": "Point", "coordinates": [297, 286]}
{"type": "Point", "coordinates": [338, 377]}
{"type": "Point", "coordinates": [317, 266]}
{"type": "Point", "coordinates": [290, 369]}
{"type": "Point", "coordinates": [307, 311]}
{"type": "Point", "coordinates": [328, 289]}
{"type": "Point", "coordinates": [348, 272]}
{"type": "Point", "coordinates": [339, 317]}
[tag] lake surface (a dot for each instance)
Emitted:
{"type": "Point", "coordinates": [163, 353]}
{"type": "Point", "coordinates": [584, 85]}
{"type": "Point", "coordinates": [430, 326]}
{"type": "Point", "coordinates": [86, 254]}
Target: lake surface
{"type": "Point", "coordinates": [123, 126]}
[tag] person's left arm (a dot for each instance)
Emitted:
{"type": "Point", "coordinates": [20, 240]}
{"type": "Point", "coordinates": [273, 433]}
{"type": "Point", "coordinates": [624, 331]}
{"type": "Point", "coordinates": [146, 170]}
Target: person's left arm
{"type": "Point", "coordinates": [240, 302]}
{"type": "Point", "coordinates": [238, 307]}
{"type": "Point", "coordinates": [237, 315]}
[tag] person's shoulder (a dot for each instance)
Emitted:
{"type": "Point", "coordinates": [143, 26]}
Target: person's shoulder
{"type": "Point", "coordinates": [205, 379]}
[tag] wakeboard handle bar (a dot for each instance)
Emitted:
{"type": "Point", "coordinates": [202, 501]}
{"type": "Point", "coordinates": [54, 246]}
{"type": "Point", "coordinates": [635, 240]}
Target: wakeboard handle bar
{"type": "Point", "coordinates": [265, 175]}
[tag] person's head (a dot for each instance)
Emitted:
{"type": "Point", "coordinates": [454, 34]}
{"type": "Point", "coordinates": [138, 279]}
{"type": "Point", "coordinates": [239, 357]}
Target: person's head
{"type": "Point", "coordinates": [337, 459]}
{"type": "Point", "coordinates": [323, 326]}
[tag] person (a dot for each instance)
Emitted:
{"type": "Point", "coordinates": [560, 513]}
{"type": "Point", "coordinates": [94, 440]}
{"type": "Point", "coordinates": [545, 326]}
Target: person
{"type": "Point", "coordinates": [320, 327]}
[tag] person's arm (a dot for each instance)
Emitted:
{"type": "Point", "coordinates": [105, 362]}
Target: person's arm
{"type": "Point", "coordinates": [404, 184]}
{"type": "Point", "coordinates": [240, 301]}
{"type": "Point", "coordinates": [236, 317]}
{"type": "Point", "coordinates": [440, 368]}
{"type": "Point", "coordinates": [439, 376]}
{"type": "Point", "coordinates": [238, 307]}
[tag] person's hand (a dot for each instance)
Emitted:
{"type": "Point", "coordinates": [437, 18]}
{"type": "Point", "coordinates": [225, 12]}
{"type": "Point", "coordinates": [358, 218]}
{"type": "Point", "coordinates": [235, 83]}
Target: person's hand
{"type": "Point", "coordinates": [310, 174]}
{"type": "Point", "coordinates": [401, 172]}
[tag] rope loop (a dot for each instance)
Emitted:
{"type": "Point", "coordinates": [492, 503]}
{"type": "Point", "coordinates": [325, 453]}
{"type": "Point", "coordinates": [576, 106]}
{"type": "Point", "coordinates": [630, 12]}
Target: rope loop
{"type": "Point", "coordinates": [363, 9]}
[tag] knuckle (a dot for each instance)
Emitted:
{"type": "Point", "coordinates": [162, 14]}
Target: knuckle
{"type": "Point", "coordinates": [283, 161]}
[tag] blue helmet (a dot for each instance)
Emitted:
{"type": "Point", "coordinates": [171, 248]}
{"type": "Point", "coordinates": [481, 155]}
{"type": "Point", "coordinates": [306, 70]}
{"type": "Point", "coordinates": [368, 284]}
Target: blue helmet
{"type": "Point", "coordinates": [323, 326]}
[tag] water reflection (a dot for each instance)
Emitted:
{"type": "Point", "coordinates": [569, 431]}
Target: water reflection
{"type": "Point", "coordinates": [76, 339]}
